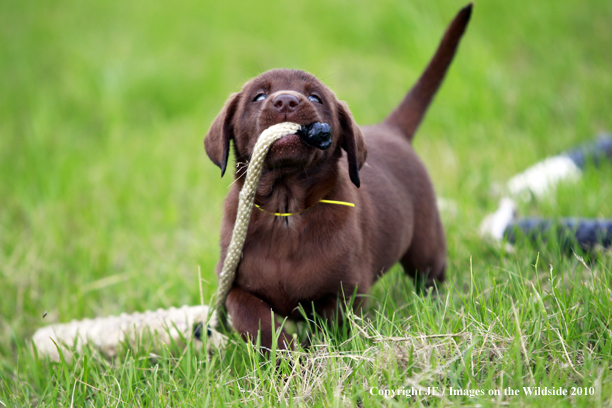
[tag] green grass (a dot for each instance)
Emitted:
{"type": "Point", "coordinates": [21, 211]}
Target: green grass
{"type": "Point", "coordinates": [108, 203]}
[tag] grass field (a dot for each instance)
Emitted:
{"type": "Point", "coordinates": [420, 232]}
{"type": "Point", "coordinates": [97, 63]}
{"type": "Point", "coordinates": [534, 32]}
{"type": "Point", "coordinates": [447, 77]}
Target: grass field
{"type": "Point", "coordinates": [108, 203]}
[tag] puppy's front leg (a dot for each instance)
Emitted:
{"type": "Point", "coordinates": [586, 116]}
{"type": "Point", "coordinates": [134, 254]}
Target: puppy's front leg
{"type": "Point", "coordinates": [250, 315]}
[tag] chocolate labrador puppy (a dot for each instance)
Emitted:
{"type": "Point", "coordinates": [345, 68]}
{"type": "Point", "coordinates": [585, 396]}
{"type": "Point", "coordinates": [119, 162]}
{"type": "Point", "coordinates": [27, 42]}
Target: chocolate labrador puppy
{"type": "Point", "coordinates": [322, 251]}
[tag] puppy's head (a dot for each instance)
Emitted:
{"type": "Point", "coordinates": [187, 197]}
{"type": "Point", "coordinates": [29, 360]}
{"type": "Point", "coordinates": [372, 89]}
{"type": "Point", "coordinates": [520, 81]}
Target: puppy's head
{"type": "Point", "coordinates": [284, 95]}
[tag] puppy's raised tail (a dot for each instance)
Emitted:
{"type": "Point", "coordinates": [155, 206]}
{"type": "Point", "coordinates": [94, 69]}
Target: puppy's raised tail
{"type": "Point", "coordinates": [410, 112]}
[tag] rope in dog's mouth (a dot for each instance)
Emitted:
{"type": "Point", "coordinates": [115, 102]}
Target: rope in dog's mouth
{"type": "Point", "coordinates": [316, 135]}
{"type": "Point", "coordinates": [108, 334]}
{"type": "Point", "coordinates": [170, 325]}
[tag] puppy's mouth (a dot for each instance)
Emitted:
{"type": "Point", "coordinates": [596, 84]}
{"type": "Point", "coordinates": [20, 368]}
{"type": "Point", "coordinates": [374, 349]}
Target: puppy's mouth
{"type": "Point", "coordinates": [317, 134]}
{"type": "Point", "coordinates": [289, 150]}
{"type": "Point", "coordinates": [299, 147]}
{"type": "Point", "coordinates": [287, 142]}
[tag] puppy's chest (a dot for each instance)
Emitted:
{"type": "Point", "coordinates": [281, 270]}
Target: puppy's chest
{"type": "Point", "coordinates": [287, 268]}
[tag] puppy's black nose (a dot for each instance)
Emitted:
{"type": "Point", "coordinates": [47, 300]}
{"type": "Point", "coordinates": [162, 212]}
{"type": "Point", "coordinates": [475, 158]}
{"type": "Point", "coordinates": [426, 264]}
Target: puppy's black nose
{"type": "Point", "coordinates": [285, 103]}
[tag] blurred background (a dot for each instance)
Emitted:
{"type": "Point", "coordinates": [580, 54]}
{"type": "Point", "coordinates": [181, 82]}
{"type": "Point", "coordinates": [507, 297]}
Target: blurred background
{"type": "Point", "coordinates": [108, 203]}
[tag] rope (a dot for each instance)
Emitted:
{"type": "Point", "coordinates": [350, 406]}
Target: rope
{"type": "Point", "coordinates": [153, 330]}
{"type": "Point", "coordinates": [245, 207]}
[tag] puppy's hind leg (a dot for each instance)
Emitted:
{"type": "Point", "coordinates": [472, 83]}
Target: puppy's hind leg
{"type": "Point", "coordinates": [425, 260]}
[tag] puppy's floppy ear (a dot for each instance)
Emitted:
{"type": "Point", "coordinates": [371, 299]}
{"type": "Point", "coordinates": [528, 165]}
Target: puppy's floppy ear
{"type": "Point", "coordinates": [217, 140]}
{"type": "Point", "coordinates": [352, 142]}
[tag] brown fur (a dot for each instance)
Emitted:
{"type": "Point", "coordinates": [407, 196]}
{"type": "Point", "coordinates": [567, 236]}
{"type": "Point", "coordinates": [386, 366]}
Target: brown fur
{"type": "Point", "coordinates": [316, 256]}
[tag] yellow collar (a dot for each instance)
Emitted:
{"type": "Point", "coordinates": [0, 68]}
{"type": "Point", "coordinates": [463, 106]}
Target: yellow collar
{"type": "Point", "coordinates": [297, 213]}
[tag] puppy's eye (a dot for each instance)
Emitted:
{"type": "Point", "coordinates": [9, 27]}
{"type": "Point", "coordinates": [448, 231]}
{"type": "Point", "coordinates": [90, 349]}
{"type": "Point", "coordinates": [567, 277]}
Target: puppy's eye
{"type": "Point", "coordinates": [260, 97]}
{"type": "Point", "coordinates": [315, 98]}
